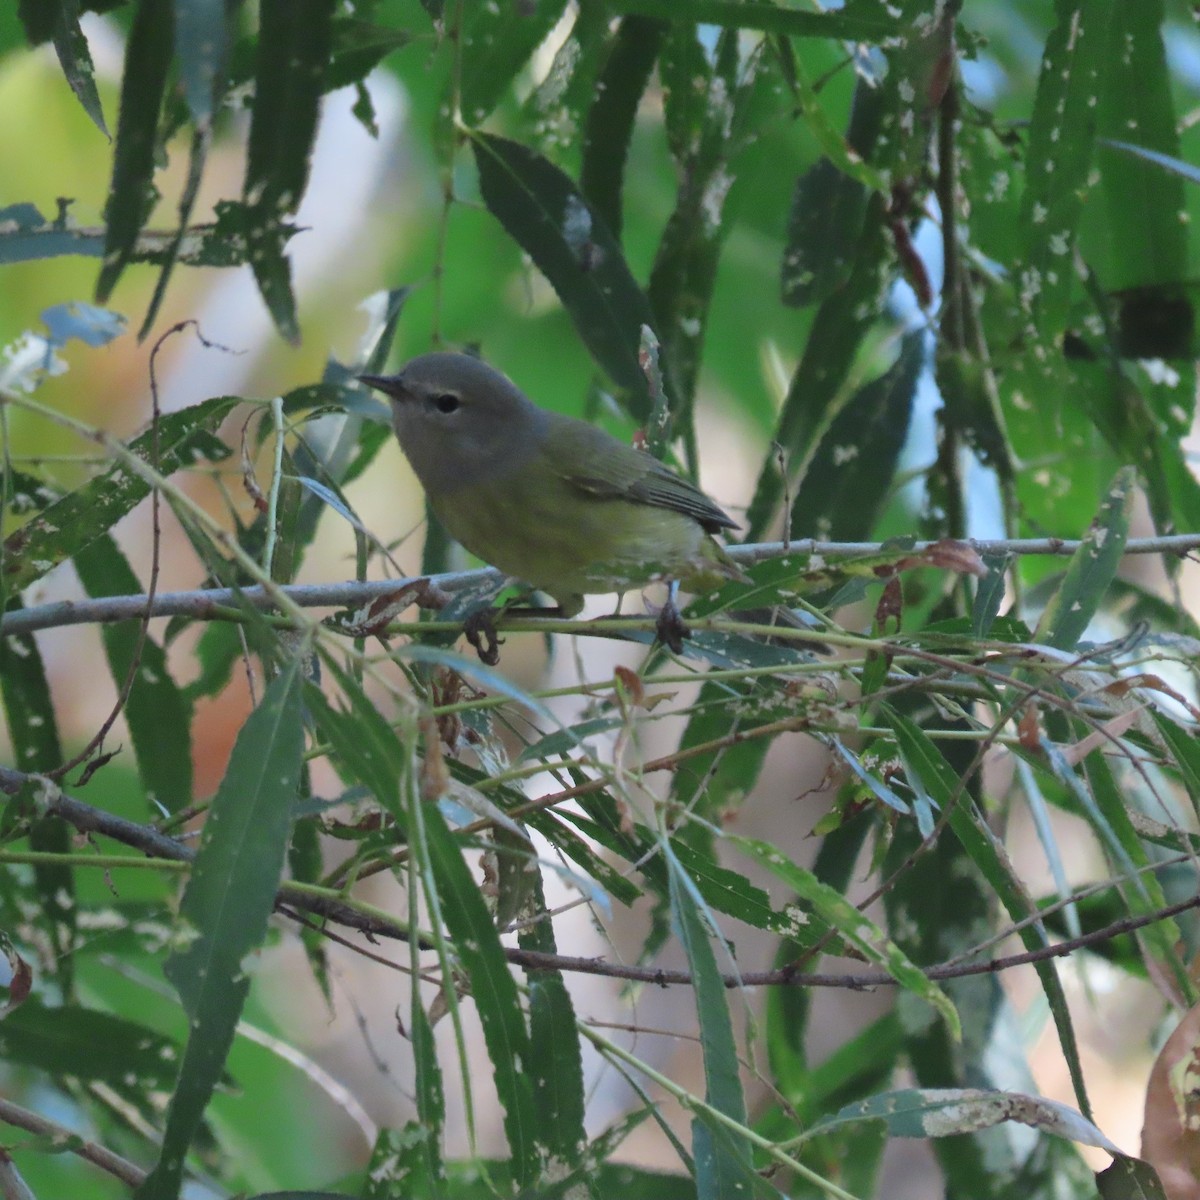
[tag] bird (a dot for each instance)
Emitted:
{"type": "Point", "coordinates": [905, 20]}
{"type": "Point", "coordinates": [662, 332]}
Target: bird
{"type": "Point", "coordinates": [548, 499]}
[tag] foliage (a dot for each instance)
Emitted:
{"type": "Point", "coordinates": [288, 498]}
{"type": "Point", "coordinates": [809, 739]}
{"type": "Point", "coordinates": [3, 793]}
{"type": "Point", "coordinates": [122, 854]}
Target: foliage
{"type": "Point", "coordinates": [822, 219]}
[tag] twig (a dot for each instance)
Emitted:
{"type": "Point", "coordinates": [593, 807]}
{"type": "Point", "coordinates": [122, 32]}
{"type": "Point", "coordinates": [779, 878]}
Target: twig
{"type": "Point", "coordinates": [373, 922]}
{"type": "Point", "coordinates": [211, 603]}
{"type": "Point", "coordinates": [127, 1172]}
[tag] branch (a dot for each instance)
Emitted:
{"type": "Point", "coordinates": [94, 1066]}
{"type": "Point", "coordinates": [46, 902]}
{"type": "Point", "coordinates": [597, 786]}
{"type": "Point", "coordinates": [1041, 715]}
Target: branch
{"type": "Point", "coordinates": [86, 818]}
{"type": "Point", "coordinates": [215, 603]}
{"type": "Point", "coordinates": [374, 923]}
{"type": "Point", "coordinates": [127, 1172]}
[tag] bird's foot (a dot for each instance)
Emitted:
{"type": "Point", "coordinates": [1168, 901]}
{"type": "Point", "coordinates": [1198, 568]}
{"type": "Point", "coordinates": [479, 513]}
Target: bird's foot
{"type": "Point", "coordinates": [669, 627]}
{"type": "Point", "coordinates": [480, 628]}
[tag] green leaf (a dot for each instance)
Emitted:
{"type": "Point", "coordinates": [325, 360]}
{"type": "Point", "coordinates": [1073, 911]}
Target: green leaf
{"type": "Point", "coordinates": [1166, 162]}
{"type": "Point", "coordinates": [431, 1100]}
{"type": "Point", "coordinates": [567, 842]}
{"type": "Point", "coordinates": [818, 391]}
{"type": "Point", "coordinates": [217, 651]}
{"type": "Point", "coordinates": [710, 115]}
{"type": "Point", "coordinates": [730, 892]}
{"type": "Point", "coordinates": [944, 1112]}
{"type": "Point", "coordinates": [829, 207]}
{"type": "Point", "coordinates": [555, 1059]}
{"type": "Point", "coordinates": [727, 774]}
{"type": "Point", "coordinates": [609, 127]}
{"type": "Point", "coordinates": [25, 235]}
{"type": "Point", "coordinates": [132, 194]}
{"type": "Point", "coordinates": [295, 38]}
{"type": "Point", "coordinates": [226, 906]}
{"type": "Point", "coordinates": [788, 1009]}
{"type": "Point", "coordinates": [1185, 750]}
{"type": "Point", "coordinates": [477, 942]}
{"type": "Point", "coordinates": [496, 43]}
{"type": "Point", "coordinates": [81, 516]}
{"type": "Point", "coordinates": [402, 1163]}
{"type": "Point", "coordinates": [158, 715]}
{"type": "Point", "coordinates": [88, 1045]}
{"type": "Point", "coordinates": [1103, 802]}
{"type": "Point", "coordinates": [365, 746]}
{"type": "Point", "coordinates": [842, 497]}
{"type": "Point", "coordinates": [1130, 1179]}
{"type": "Point", "coordinates": [1136, 107]}
{"type": "Point", "coordinates": [927, 768]}
{"type": "Point", "coordinates": [1077, 64]}
{"type": "Point", "coordinates": [858, 21]}
{"type": "Point", "coordinates": [33, 735]}
{"type": "Point", "coordinates": [202, 41]}
{"type": "Point", "coordinates": [75, 58]}
{"type": "Point", "coordinates": [545, 214]}
{"type": "Point", "coordinates": [722, 1155]}
{"type": "Point", "coordinates": [1091, 569]}
{"type": "Point", "coordinates": [358, 47]}
{"type": "Point", "coordinates": [855, 927]}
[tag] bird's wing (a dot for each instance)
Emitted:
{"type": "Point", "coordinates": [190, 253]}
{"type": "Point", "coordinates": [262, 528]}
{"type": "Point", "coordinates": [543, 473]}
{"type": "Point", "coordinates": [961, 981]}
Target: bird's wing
{"type": "Point", "coordinates": [631, 474]}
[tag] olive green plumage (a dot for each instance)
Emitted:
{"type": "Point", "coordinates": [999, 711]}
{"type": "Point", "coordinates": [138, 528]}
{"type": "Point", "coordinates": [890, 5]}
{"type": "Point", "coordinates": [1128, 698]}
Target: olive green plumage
{"type": "Point", "coordinates": [549, 499]}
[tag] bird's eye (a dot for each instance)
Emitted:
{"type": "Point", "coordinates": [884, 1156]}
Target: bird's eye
{"type": "Point", "coordinates": [447, 402]}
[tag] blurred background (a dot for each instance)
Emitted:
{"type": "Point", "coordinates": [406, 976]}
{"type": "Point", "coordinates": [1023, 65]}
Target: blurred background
{"type": "Point", "coordinates": [375, 217]}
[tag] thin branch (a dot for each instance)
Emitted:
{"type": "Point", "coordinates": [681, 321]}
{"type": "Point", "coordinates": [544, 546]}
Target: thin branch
{"type": "Point", "coordinates": [215, 603]}
{"type": "Point", "coordinates": [373, 922]}
{"type": "Point", "coordinates": [533, 960]}
{"type": "Point", "coordinates": [88, 819]}
{"type": "Point", "coordinates": [127, 1172]}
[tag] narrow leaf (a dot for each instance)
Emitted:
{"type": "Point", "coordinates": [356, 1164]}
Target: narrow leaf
{"type": "Point", "coordinates": [924, 761]}
{"type": "Point", "coordinates": [295, 38]}
{"type": "Point", "coordinates": [228, 899]}
{"type": "Point", "coordinates": [477, 942]}
{"type": "Point", "coordinates": [545, 214]}
{"type": "Point", "coordinates": [1091, 569]}
{"type": "Point", "coordinates": [76, 59]}
{"type": "Point", "coordinates": [866, 22]}
{"type": "Point", "coordinates": [817, 390]}
{"type": "Point", "coordinates": [88, 1045]}
{"type": "Point", "coordinates": [850, 479]}
{"type": "Point", "coordinates": [33, 735]}
{"type": "Point", "coordinates": [496, 43]}
{"type": "Point", "coordinates": [81, 516]}
{"type": "Point", "coordinates": [722, 1158]}
{"type": "Point", "coordinates": [610, 119]}
{"type": "Point", "coordinates": [156, 711]}
{"type": "Point", "coordinates": [132, 194]}
{"type": "Point", "coordinates": [944, 1112]}
{"type": "Point", "coordinates": [854, 926]}
{"type": "Point", "coordinates": [555, 1058]}
{"type": "Point", "coordinates": [1078, 57]}
{"type": "Point", "coordinates": [202, 37]}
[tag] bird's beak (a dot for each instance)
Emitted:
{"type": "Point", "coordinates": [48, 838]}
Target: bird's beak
{"type": "Point", "coordinates": [389, 385]}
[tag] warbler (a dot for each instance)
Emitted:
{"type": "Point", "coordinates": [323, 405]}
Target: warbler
{"type": "Point", "coordinates": [547, 498]}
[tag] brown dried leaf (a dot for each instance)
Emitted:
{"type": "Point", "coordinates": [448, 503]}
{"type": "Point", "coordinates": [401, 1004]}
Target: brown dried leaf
{"type": "Point", "coordinates": [21, 983]}
{"type": "Point", "coordinates": [1029, 729]}
{"type": "Point", "coordinates": [630, 683]}
{"type": "Point", "coordinates": [1171, 1129]}
{"type": "Point", "coordinates": [891, 604]}
{"type": "Point", "coordinates": [1103, 735]}
{"type": "Point", "coordinates": [950, 554]}
{"type": "Point", "coordinates": [373, 618]}
{"type": "Point", "coordinates": [435, 776]}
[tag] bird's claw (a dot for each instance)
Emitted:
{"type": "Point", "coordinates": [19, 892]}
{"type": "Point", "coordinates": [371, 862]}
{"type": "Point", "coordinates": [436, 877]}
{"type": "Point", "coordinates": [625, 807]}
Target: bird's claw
{"type": "Point", "coordinates": [669, 627]}
{"type": "Point", "coordinates": [480, 628]}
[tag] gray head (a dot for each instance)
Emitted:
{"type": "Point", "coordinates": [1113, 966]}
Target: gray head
{"type": "Point", "coordinates": [459, 421]}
